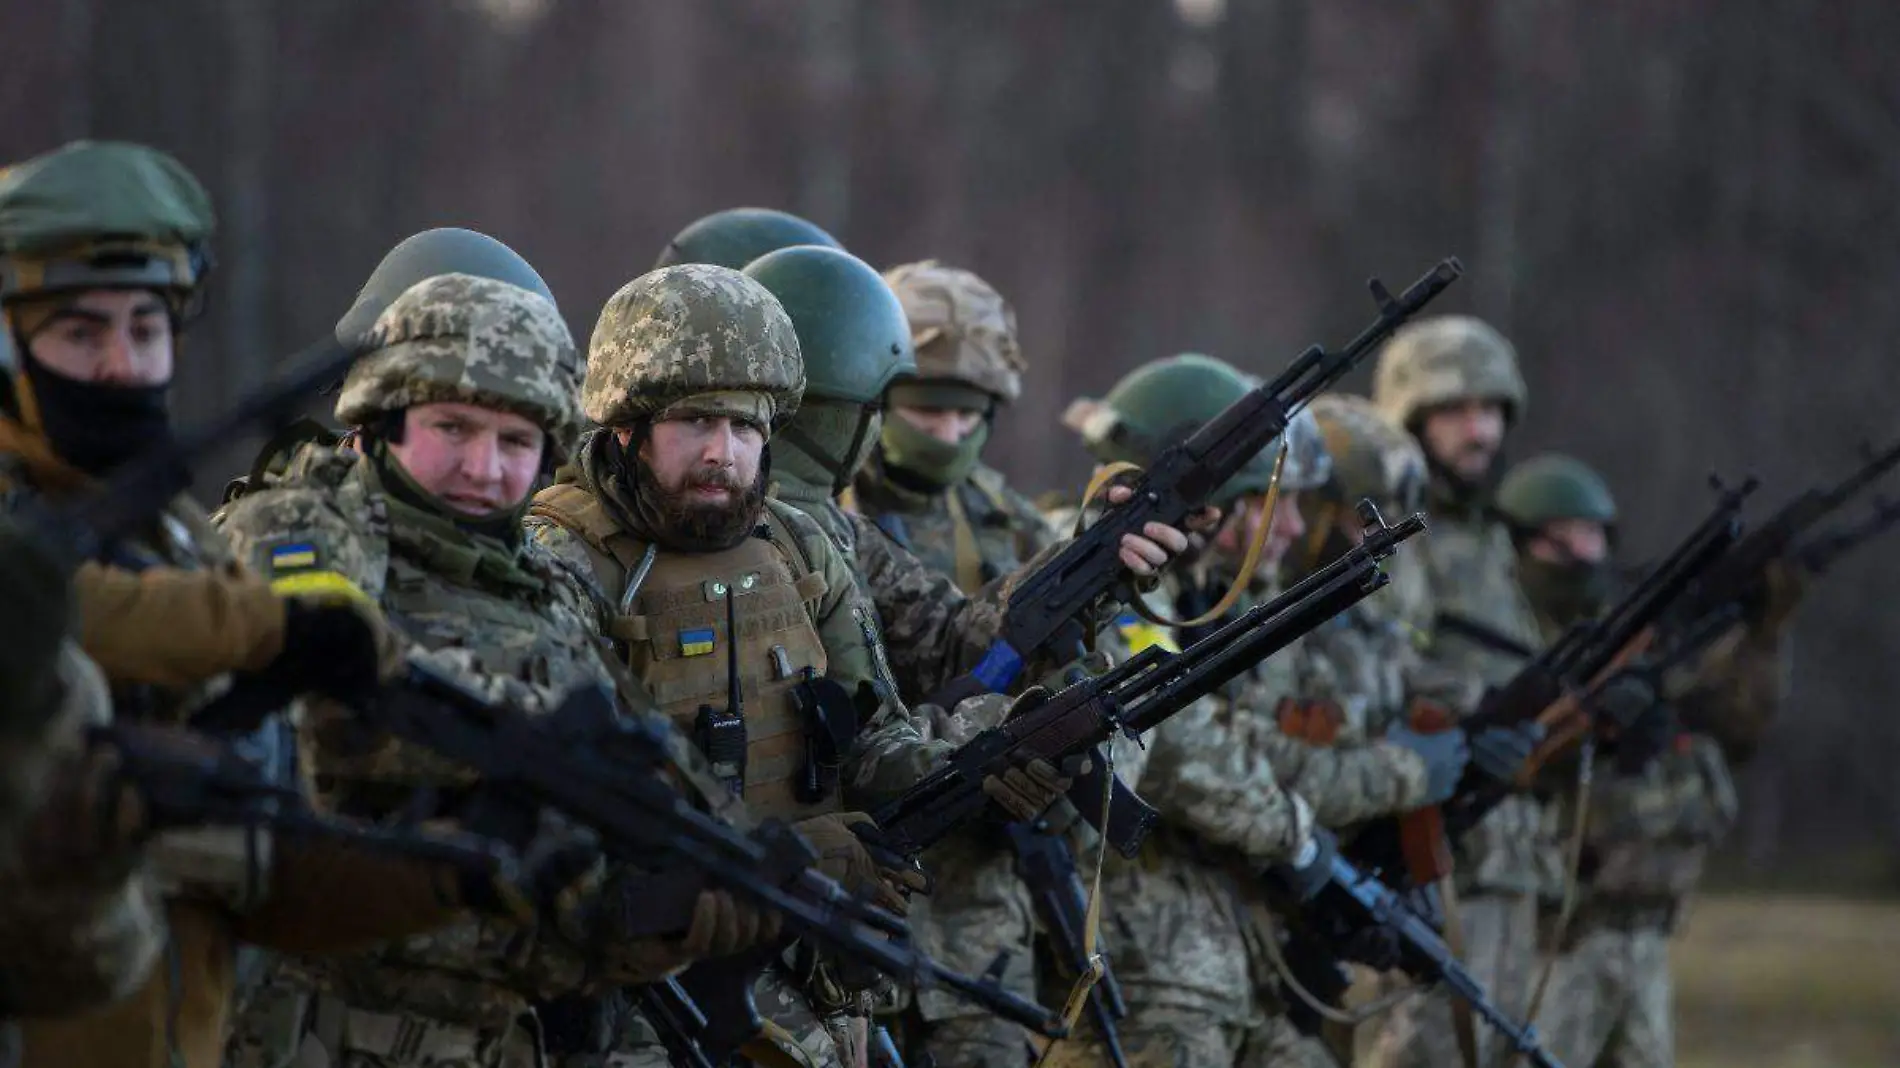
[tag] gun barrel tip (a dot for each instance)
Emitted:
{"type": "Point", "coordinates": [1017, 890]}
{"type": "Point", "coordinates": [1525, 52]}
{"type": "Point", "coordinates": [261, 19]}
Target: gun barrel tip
{"type": "Point", "coordinates": [1451, 267]}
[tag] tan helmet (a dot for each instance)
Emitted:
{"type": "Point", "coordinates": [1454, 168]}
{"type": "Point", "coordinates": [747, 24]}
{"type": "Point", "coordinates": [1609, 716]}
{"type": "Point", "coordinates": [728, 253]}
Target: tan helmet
{"type": "Point", "coordinates": [693, 339]}
{"type": "Point", "coordinates": [1372, 457]}
{"type": "Point", "coordinates": [962, 328]}
{"type": "Point", "coordinates": [456, 337]}
{"type": "Point", "coordinates": [1444, 359]}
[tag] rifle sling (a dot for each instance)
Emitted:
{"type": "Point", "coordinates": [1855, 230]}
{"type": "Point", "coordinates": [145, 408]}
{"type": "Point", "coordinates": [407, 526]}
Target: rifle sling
{"type": "Point", "coordinates": [1471, 630]}
{"type": "Point", "coordinates": [1078, 999]}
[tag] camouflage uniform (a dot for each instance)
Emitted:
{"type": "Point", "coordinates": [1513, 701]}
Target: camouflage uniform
{"type": "Point", "coordinates": [487, 607]}
{"type": "Point", "coordinates": [1506, 862]}
{"type": "Point", "coordinates": [167, 614]}
{"type": "Point", "coordinates": [704, 340]}
{"type": "Point", "coordinates": [1649, 829]}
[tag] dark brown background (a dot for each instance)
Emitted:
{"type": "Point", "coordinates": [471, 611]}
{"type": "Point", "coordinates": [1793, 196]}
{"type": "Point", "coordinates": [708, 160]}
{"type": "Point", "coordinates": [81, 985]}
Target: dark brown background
{"type": "Point", "coordinates": [1682, 212]}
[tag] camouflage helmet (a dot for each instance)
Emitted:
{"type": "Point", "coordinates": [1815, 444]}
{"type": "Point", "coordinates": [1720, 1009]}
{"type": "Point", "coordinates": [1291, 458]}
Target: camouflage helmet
{"type": "Point", "coordinates": [456, 337]}
{"type": "Point", "coordinates": [851, 329]}
{"type": "Point", "coordinates": [737, 236]}
{"type": "Point", "coordinates": [963, 330]}
{"type": "Point", "coordinates": [1163, 401]}
{"type": "Point", "coordinates": [1553, 486]}
{"type": "Point", "coordinates": [419, 257]}
{"type": "Point", "coordinates": [103, 215]}
{"type": "Point", "coordinates": [1444, 359]}
{"type": "Point", "coordinates": [1371, 457]}
{"type": "Point", "coordinates": [693, 339]}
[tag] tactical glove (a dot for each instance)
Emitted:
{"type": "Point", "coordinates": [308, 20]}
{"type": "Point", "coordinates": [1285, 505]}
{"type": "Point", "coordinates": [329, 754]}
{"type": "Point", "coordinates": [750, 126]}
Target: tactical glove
{"type": "Point", "coordinates": [1645, 725]}
{"type": "Point", "coordinates": [843, 858]}
{"type": "Point", "coordinates": [1308, 873]}
{"type": "Point", "coordinates": [334, 648]}
{"type": "Point", "coordinates": [1502, 752]}
{"type": "Point", "coordinates": [1026, 790]}
{"type": "Point", "coordinates": [1445, 754]}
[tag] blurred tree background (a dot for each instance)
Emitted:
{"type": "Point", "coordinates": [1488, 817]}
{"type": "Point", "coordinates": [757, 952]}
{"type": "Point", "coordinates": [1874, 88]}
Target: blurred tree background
{"type": "Point", "coordinates": [1682, 213]}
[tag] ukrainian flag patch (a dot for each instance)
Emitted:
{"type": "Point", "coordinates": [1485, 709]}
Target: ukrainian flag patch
{"type": "Point", "coordinates": [1140, 634]}
{"type": "Point", "coordinates": [696, 642]}
{"type": "Point", "coordinates": [297, 556]}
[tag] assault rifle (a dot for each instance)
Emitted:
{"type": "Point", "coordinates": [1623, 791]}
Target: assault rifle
{"type": "Point", "coordinates": [1354, 902]}
{"type": "Point", "coordinates": [1554, 690]}
{"type": "Point", "coordinates": [1739, 580]}
{"type": "Point", "coordinates": [1045, 608]}
{"type": "Point", "coordinates": [1047, 868]}
{"type": "Point", "coordinates": [605, 771]}
{"type": "Point", "coordinates": [186, 778]}
{"type": "Point", "coordinates": [1142, 692]}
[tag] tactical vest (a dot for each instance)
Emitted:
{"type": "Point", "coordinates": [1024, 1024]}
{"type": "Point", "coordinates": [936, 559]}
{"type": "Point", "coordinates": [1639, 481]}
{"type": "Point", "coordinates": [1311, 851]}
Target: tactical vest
{"type": "Point", "coordinates": [677, 641]}
{"type": "Point", "coordinates": [972, 532]}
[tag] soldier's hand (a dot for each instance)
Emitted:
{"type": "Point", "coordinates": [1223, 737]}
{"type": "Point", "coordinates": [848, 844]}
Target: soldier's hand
{"type": "Point", "coordinates": [338, 648]}
{"type": "Point", "coordinates": [1783, 587]}
{"type": "Point", "coordinates": [723, 926]}
{"type": "Point", "coordinates": [1307, 873]}
{"type": "Point", "coordinates": [1148, 552]}
{"type": "Point", "coordinates": [844, 858]}
{"type": "Point", "coordinates": [1502, 752]}
{"type": "Point", "coordinates": [1445, 754]}
{"type": "Point", "coordinates": [1027, 789]}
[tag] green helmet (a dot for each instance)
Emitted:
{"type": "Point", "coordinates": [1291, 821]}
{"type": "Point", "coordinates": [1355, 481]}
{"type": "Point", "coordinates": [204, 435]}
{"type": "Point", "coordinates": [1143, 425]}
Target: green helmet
{"type": "Point", "coordinates": [851, 329]}
{"type": "Point", "coordinates": [1444, 359]}
{"type": "Point", "coordinates": [103, 215]}
{"type": "Point", "coordinates": [426, 255]}
{"type": "Point", "coordinates": [693, 339]}
{"type": "Point", "coordinates": [1371, 457]}
{"type": "Point", "coordinates": [456, 337]}
{"type": "Point", "coordinates": [1163, 401]}
{"type": "Point", "coordinates": [1552, 487]}
{"type": "Point", "coordinates": [965, 334]}
{"type": "Point", "coordinates": [737, 236]}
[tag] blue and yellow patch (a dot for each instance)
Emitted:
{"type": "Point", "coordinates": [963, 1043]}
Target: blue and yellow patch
{"type": "Point", "coordinates": [697, 641]}
{"type": "Point", "coordinates": [297, 556]}
{"type": "Point", "coordinates": [1140, 634]}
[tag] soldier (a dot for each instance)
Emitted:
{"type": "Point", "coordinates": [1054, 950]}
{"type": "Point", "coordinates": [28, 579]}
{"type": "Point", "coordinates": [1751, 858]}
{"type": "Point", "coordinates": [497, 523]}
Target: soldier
{"type": "Point", "coordinates": [465, 393]}
{"type": "Point", "coordinates": [1320, 745]}
{"type": "Point", "coordinates": [102, 255]}
{"type": "Point", "coordinates": [692, 368]}
{"type": "Point", "coordinates": [1650, 822]}
{"type": "Point", "coordinates": [925, 484]}
{"type": "Point", "coordinates": [1452, 382]}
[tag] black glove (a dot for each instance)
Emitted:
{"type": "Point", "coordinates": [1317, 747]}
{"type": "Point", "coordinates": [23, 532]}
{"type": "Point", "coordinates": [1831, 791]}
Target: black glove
{"type": "Point", "coordinates": [1445, 754]}
{"type": "Point", "coordinates": [1502, 752]}
{"type": "Point", "coordinates": [331, 648]}
{"type": "Point", "coordinates": [1304, 877]}
{"type": "Point", "coordinates": [1644, 724]}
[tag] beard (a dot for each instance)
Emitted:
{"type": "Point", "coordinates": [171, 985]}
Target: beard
{"type": "Point", "coordinates": [682, 521]}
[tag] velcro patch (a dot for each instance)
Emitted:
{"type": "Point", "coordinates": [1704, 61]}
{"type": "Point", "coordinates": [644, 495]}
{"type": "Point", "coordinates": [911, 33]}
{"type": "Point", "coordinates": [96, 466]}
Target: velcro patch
{"type": "Point", "coordinates": [697, 641]}
{"type": "Point", "coordinates": [296, 556]}
{"type": "Point", "coordinates": [1140, 634]}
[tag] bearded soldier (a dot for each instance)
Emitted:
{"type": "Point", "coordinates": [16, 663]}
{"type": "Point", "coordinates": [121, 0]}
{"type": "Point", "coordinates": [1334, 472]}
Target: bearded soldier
{"type": "Point", "coordinates": [102, 253]}
{"type": "Point", "coordinates": [1453, 383]}
{"type": "Point", "coordinates": [1660, 804]}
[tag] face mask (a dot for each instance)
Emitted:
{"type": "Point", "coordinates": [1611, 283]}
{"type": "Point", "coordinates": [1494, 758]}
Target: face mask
{"type": "Point", "coordinates": [97, 427]}
{"type": "Point", "coordinates": [1566, 592]}
{"type": "Point", "coordinates": [928, 460]}
{"type": "Point", "coordinates": [819, 435]}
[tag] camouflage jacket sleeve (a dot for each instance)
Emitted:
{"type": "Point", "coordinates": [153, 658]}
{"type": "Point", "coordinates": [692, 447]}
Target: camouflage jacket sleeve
{"type": "Point", "coordinates": [1346, 782]}
{"type": "Point", "coordinates": [1735, 691]}
{"type": "Point", "coordinates": [1208, 770]}
{"type": "Point", "coordinates": [932, 630]}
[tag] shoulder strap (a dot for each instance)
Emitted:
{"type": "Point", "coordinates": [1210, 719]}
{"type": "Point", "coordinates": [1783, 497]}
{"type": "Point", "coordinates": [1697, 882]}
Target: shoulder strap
{"type": "Point", "coordinates": [569, 506]}
{"type": "Point", "coordinates": [790, 528]}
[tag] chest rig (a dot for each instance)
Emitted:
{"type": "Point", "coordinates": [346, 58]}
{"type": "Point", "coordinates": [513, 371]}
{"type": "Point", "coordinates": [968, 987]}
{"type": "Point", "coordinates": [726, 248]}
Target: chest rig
{"type": "Point", "coordinates": [725, 644]}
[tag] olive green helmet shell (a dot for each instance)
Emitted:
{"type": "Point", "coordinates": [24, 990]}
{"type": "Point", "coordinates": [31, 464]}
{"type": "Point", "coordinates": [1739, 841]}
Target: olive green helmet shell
{"type": "Point", "coordinates": [1551, 487]}
{"type": "Point", "coordinates": [473, 340]}
{"type": "Point", "coordinates": [851, 330]}
{"type": "Point", "coordinates": [1441, 360]}
{"type": "Point", "coordinates": [962, 328]}
{"type": "Point", "coordinates": [693, 337]}
{"type": "Point", "coordinates": [737, 236]}
{"type": "Point", "coordinates": [1372, 458]}
{"type": "Point", "coordinates": [419, 257]}
{"type": "Point", "coordinates": [103, 215]}
{"type": "Point", "coordinates": [1163, 401]}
